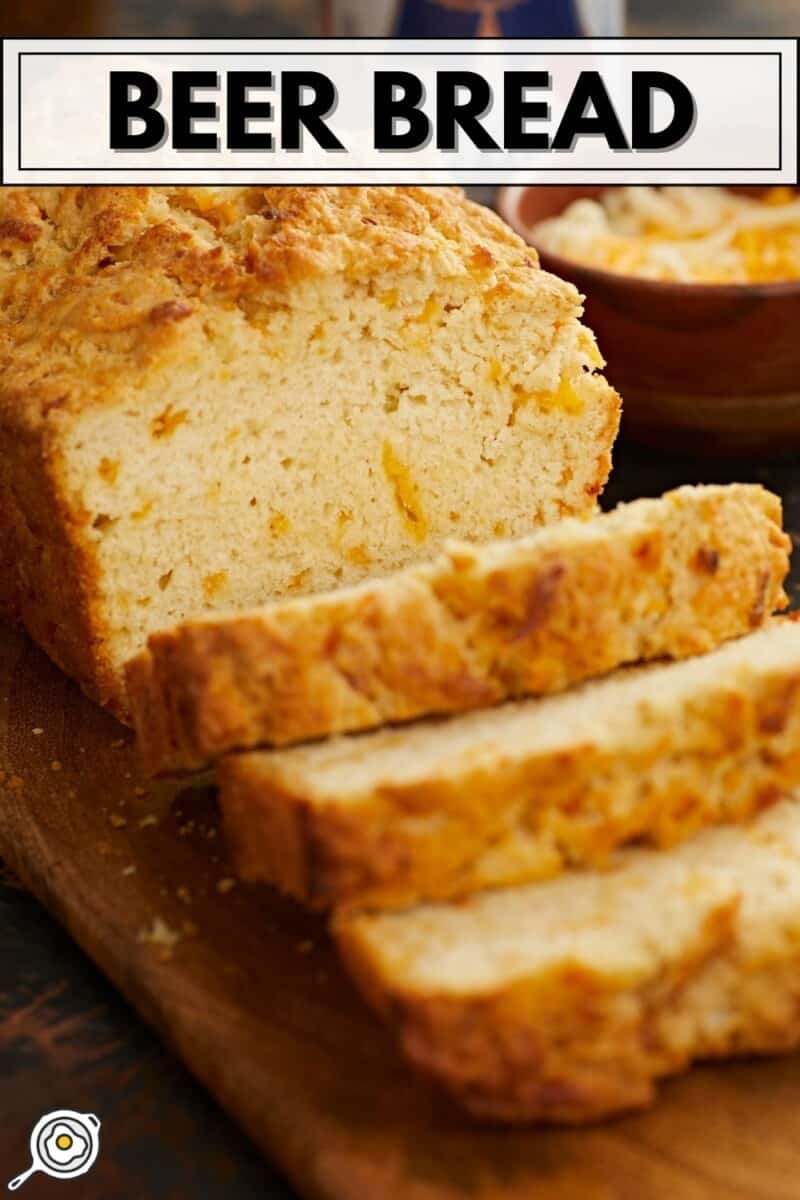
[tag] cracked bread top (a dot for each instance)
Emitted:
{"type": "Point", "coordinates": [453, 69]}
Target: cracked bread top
{"type": "Point", "coordinates": [97, 280]}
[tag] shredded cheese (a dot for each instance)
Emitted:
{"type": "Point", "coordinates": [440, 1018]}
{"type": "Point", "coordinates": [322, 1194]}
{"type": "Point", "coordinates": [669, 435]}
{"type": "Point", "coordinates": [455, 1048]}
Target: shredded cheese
{"type": "Point", "coordinates": [685, 234]}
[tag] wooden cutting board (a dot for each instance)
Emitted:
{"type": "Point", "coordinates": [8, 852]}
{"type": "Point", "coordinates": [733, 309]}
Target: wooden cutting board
{"type": "Point", "coordinates": [251, 998]}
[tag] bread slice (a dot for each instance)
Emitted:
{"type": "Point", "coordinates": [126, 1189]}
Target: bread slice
{"type": "Point", "coordinates": [212, 397]}
{"type": "Point", "coordinates": [567, 1000]}
{"type": "Point", "coordinates": [673, 576]}
{"type": "Point", "coordinates": [520, 792]}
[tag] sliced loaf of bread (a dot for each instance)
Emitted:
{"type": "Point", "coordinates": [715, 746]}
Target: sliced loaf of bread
{"type": "Point", "coordinates": [567, 1000]}
{"type": "Point", "coordinates": [212, 397]}
{"type": "Point", "coordinates": [667, 577]}
{"type": "Point", "coordinates": [519, 792]}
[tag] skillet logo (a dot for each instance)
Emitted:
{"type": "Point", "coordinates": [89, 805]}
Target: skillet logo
{"type": "Point", "coordinates": [64, 1145]}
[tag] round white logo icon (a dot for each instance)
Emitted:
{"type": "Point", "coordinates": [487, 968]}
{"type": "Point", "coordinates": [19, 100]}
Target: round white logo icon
{"type": "Point", "coordinates": [64, 1144]}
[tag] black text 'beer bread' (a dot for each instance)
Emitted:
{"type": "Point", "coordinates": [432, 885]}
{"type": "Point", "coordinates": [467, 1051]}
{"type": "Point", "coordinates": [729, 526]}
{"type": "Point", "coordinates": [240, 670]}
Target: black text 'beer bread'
{"type": "Point", "coordinates": [656, 578]}
{"type": "Point", "coordinates": [567, 1000]}
{"type": "Point", "coordinates": [524, 790]}
{"type": "Point", "coordinates": [212, 397]}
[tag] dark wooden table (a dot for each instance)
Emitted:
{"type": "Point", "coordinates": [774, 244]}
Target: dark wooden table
{"type": "Point", "coordinates": [67, 1040]}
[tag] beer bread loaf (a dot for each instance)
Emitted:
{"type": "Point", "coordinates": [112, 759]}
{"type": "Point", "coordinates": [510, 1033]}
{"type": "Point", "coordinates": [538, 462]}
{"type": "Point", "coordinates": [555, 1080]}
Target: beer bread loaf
{"type": "Point", "coordinates": [212, 397]}
{"type": "Point", "coordinates": [518, 792]}
{"type": "Point", "coordinates": [667, 577]}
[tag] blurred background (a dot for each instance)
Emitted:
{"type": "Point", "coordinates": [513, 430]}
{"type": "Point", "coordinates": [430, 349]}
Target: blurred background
{"type": "Point", "coordinates": [727, 18]}
{"type": "Point", "coordinates": [270, 18]}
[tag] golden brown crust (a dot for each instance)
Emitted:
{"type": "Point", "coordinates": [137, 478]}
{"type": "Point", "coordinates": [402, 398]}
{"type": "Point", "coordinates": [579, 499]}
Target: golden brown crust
{"type": "Point", "coordinates": [47, 566]}
{"type": "Point", "coordinates": [474, 628]}
{"type": "Point", "coordinates": [723, 753]}
{"type": "Point", "coordinates": [98, 279]}
{"type": "Point", "coordinates": [569, 1048]}
{"type": "Point", "coordinates": [567, 1001]}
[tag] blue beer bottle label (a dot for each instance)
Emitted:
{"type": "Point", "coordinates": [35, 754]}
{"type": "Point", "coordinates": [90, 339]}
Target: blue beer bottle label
{"type": "Point", "coordinates": [489, 18]}
{"type": "Point", "coordinates": [473, 18]}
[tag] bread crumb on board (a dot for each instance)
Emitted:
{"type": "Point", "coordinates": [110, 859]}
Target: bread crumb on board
{"type": "Point", "coordinates": [160, 936]}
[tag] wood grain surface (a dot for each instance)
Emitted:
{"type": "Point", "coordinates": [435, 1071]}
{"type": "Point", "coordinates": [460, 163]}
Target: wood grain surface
{"type": "Point", "coordinates": [251, 997]}
{"type": "Point", "coordinates": [68, 1040]}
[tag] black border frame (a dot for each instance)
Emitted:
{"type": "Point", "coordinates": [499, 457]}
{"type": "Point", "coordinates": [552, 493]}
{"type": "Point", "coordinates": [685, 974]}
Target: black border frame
{"type": "Point", "coordinates": [21, 54]}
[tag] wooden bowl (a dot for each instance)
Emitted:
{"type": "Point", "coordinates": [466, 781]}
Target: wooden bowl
{"type": "Point", "coordinates": [706, 368]}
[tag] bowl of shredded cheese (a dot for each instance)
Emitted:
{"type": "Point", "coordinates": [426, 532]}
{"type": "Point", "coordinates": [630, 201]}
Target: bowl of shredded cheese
{"type": "Point", "coordinates": [694, 294]}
